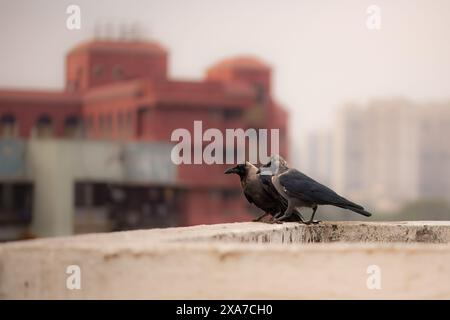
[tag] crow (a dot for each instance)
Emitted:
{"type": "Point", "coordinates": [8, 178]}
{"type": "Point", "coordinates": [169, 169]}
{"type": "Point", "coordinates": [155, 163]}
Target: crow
{"type": "Point", "coordinates": [258, 189]}
{"type": "Point", "coordinates": [299, 191]}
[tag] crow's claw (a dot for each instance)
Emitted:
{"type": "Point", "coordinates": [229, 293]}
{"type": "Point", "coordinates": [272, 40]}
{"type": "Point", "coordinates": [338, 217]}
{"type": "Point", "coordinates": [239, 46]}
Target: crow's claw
{"type": "Point", "coordinates": [312, 222]}
{"type": "Point", "coordinates": [275, 221]}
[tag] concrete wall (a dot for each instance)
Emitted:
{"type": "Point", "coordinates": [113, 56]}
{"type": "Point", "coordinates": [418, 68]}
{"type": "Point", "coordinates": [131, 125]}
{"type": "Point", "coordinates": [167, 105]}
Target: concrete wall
{"type": "Point", "coordinates": [234, 261]}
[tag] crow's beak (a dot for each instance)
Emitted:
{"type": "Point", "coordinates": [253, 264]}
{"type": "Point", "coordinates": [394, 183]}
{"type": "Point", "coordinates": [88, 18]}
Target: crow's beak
{"type": "Point", "coordinates": [230, 170]}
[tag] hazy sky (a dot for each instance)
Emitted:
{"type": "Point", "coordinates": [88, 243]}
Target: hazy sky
{"type": "Point", "coordinates": [322, 52]}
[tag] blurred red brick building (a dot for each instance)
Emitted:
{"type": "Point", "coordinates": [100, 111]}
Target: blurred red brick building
{"type": "Point", "coordinates": [121, 91]}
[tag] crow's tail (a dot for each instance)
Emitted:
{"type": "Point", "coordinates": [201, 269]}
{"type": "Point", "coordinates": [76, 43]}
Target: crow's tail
{"type": "Point", "coordinates": [356, 208]}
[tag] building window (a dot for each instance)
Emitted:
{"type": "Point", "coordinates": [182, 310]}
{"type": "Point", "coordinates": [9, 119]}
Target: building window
{"type": "Point", "coordinates": [120, 123]}
{"type": "Point", "coordinates": [215, 195]}
{"type": "Point", "coordinates": [44, 127]}
{"type": "Point", "coordinates": [8, 126]}
{"type": "Point", "coordinates": [16, 201]}
{"type": "Point", "coordinates": [74, 84]}
{"type": "Point", "coordinates": [108, 125]}
{"type": "Point", "coordinates": [102, 125]}
{"type": "Point", "coordinates": [129, 123]}
{"type": "Point", "coordinates": [72, 127]}
{"type": "Point", "coordinates": [142, 118]}
{"type": "Point", "coordinates": [232, 114]}
{"type": "Point", "coordinates": [215, 114]}
{"type": "Point", "coordinates": [97, 71]}
{"type": "Point", "coordinates": [261, 94]}
{"type": "Point", "coordinates": [117, 72]}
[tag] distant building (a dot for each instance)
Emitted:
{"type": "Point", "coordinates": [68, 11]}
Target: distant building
{"type": "Point", "coordinates": [317, 156]}
{"type": "Point", "coordinates": [120, 104]}
{"type": "Point", "coordinates": [388, 153]}
{"type": "Point", "coordinates": [434, 151]}
{"type": "Point", "coordinates": [348, 152]}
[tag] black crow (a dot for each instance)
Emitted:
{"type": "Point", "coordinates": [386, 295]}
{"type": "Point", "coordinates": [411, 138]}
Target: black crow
{"type": "Point", "coordinates": [258, 189]}
{"type": "Point", "coordinates": [299, 190]}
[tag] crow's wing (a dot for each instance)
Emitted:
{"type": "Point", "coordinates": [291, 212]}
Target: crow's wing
{"type": "Point", "coordinates": [271, 191]}
{"type": "Point", "coordinates": [248, 197]}
{"type": "Point", "coordinates": [258, 194]}
{"type": "Point", "coordinates": [301, 186]}
{"type": "Point", "coordinates": [268, 187]}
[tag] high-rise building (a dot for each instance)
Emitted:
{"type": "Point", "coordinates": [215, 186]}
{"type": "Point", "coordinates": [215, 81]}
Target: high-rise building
{"type": "Point", "coordinates": [316, 156]}
{"type": "Point", "coordinates": [348, 152]}
{"type": "Point", "coordinates": [434, 151]}
{"type": "Point", "coordinates": [390, 152]}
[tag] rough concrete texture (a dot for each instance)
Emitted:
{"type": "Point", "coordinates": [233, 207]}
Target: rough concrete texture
{"type": "Point", "coordinates": [234, 261]}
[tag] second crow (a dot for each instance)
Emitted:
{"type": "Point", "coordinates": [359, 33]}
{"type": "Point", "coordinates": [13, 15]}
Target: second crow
{"type": "Point", "coordinates": [299, 190]}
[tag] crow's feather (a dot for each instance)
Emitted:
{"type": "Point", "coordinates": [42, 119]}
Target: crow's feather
{"type": "Point", "coordinates": [308, 190]}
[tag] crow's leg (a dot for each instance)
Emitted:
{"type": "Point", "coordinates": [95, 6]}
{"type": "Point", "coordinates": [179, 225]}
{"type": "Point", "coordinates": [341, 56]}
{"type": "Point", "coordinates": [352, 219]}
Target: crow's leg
{"type": "Point", "coordinates": [274, 217]}
{"type": "Point", "coordinates": [312, 216]}
{"type": "Point", "coordinates": [288, 213]}
{"type": "Point", "coordinates": [275, 221]}
{"type": "Point", "coordinates": [278, 214]}
{"type": "Point", "coordinates": [265, 214]}
{"type": "Point", "coordinates": [299, 215]}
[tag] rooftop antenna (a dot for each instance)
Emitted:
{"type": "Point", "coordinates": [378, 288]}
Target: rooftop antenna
{"type": "Point", "coordinates": [123, 31]}
{"type": "Point", "coordinates": [135, 32]}
{"type": "Point", "coordinates": [108, 31]}
{"type": "Point", "coordinates": [144, 33]}
{"type": "Point", "coordinates": [97, 31]}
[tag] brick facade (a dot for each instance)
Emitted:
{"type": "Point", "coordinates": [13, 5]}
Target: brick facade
{"type": "Point", "coordinates": [121, 91]}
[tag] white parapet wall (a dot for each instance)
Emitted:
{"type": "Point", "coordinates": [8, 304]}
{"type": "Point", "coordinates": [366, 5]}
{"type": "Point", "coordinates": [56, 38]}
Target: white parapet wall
{"type": "Point", "coordinates": [332, 260]}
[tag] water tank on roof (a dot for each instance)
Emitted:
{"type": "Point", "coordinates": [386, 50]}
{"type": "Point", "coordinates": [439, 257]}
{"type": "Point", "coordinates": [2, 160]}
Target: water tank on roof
{"type": "Point", "coordinates": [245, 69]}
